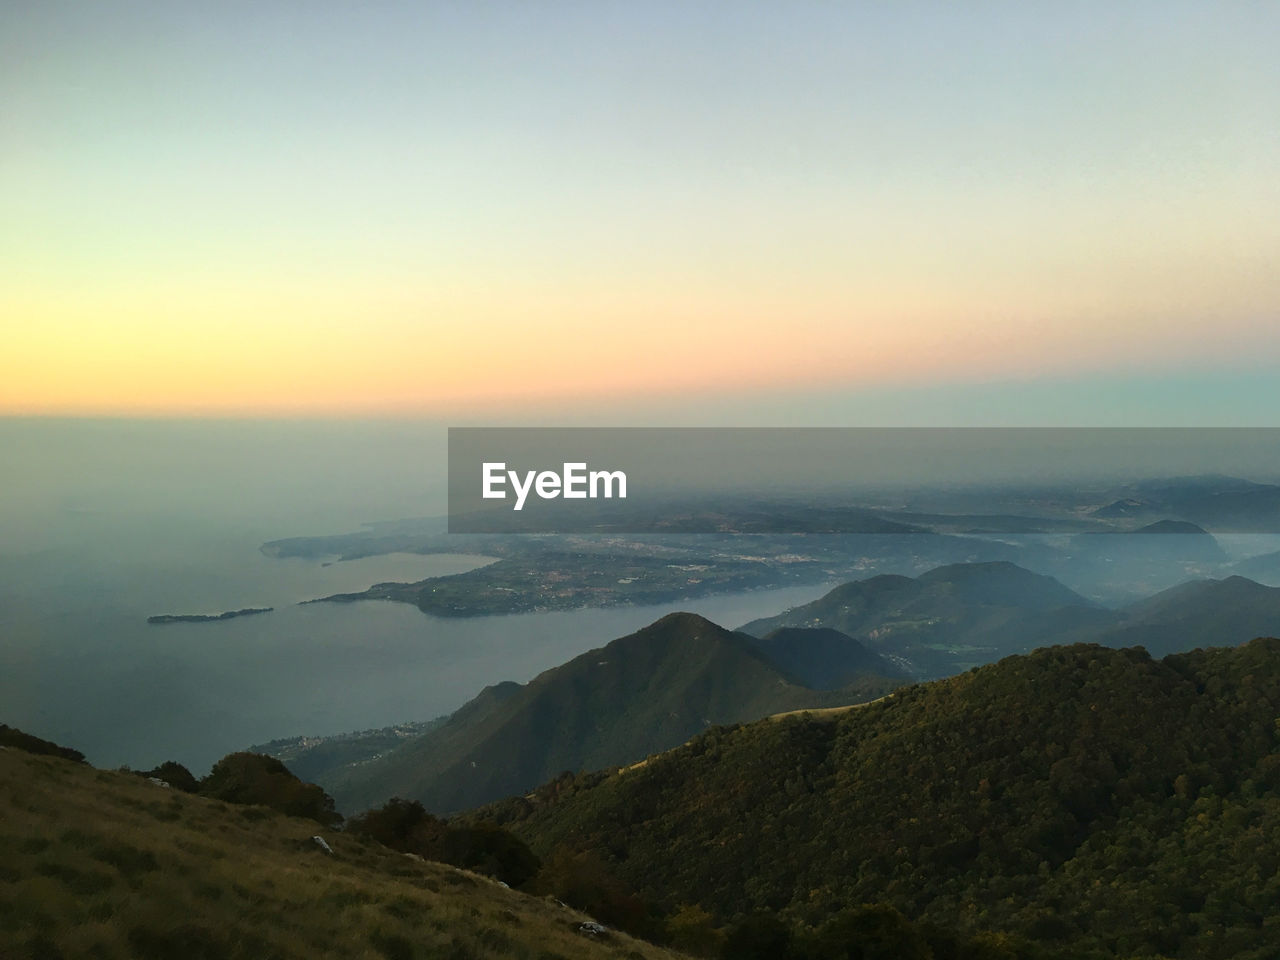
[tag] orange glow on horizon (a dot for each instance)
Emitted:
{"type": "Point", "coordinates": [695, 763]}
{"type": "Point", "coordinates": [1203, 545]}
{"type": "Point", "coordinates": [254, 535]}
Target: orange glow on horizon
{"type": "Point", "coordinates": [323, 363]}
{"type": "Point", "coordinates": [367, 345]}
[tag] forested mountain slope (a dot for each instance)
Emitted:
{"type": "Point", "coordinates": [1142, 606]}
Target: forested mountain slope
{"type": "Point", "coordinates": [640, 694]}
{"type": "Point", "coordinates": [1094, 800]}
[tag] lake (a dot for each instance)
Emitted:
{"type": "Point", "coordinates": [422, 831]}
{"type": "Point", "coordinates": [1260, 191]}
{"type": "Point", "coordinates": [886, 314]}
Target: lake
{"type": "Point", "coordinates": [104, 523]}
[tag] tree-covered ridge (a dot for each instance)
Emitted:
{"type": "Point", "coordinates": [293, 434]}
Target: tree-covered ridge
{"type": "Point", "coordinates": [1094, 800]}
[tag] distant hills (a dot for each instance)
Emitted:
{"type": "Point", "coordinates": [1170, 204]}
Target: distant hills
{"type": "Point", "coordinates": [1113, 543]}
{"type": "Point", "coordinates": [635, 696]}
{"type": "Point", "coordinates": [1077, 802]}
{"type": "Point", "coordinates": [1194, 615]}
{"type": "Point", "coordinates": [1263, 567]}
{"type": "Point", "coordinates": [949, 619]}
{"type": "Point", "coordinates": [1220, 503]}
{"type": "Point", "coordinates": [1162, 542]}
{"type": "Point", "coordinates": [956, 617]}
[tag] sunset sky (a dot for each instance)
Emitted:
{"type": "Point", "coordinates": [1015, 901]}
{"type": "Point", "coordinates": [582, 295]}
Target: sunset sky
{"type": "Point", "coordinates": [474, 209]}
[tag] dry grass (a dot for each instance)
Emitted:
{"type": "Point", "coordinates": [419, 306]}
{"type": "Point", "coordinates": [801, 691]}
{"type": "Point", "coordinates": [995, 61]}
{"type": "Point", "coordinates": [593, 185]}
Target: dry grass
{"type": "Point", "coordinates": [826, 713]}
{"type": "Point", "coordinates": [813, 713]}
{"type": "Point", "coordinates": [102, 864]}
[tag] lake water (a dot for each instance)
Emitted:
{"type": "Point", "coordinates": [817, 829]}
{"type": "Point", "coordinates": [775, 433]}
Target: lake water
{"type": "Point", "coordinates": [104, 523]}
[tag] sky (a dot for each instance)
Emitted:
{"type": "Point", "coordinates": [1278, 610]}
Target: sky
{"type": "Point", "coordinates": [777, 213]}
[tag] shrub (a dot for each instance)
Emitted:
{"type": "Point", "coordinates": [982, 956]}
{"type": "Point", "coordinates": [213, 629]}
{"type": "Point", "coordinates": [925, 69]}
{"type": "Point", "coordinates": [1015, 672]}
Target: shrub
{"type": "Point", "coordinates": [257, 778]}
{"type": "Point", "coordinates": [13, 737]}
{"type": "Point", "coordinates": [174, 774]}
{"type": "Point", "coordinates": [406, 826]}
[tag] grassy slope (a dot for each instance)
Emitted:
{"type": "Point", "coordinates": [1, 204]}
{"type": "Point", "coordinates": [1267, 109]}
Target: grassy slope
{"type": "Point", "coordinates": [103, 864]}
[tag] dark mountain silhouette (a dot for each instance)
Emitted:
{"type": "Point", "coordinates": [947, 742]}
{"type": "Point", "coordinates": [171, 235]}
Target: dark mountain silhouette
{"type": "Point", "coordinates": [825, 659]}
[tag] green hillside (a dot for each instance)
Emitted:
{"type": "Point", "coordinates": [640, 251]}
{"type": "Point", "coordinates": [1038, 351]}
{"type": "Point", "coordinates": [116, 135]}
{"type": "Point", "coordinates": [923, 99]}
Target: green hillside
{"type": "Point", "coordinates": [107, 865]}
{"type": "Point", "coordinates": [825, 659]}
{"type": "Point", "coordinates": [1094, 801]}
{"type": "Point", "coordinates": [635, 696]}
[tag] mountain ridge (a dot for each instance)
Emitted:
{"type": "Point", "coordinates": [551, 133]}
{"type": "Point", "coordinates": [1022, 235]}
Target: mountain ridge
{"type": "Point", "coordinates": [638, 694]}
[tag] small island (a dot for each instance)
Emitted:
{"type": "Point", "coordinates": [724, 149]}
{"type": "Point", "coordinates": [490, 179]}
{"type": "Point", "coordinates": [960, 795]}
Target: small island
{"type": "Point", "coordinates": [206, 618]}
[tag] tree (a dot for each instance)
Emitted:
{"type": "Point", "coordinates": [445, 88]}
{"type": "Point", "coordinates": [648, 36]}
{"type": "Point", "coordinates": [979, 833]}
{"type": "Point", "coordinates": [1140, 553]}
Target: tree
{"type": "Point", "coordinates": [485, 847]}
{"type": "Point", "coordinates": [872, 931]}
{"type": "Point", "coordinates": [175, 775]}
{"type": "Point", "coordinates": [759, 937]}
{"type": "Point", "coordinates": [257, 778]}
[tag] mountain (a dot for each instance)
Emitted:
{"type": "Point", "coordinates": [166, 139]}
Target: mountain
{"type": "Point", "coordinates": [1124, 508]}
{"type": "Point", "coordinates": [660, 686]}
{"type": "Point", "coordinates": [957, 617]}
{"type": "Point", "coordinates": [617, 704]}
{"type": "Point", "coordinates": [1162, 542]}
{"type": "Point", "coordinates": [1263, 567]}
{"type": "Point", "coordinates": [948, 619]}
{"type": "Point", "coordinates": [96, 863]}
{"type": "Point", "coordinates": [825, 659]}
{"type": "Point", "coordinates": [1095, 801]}
{"type": "Point", "coordinates": [1217, 502]}
{"type": "Point", "coordinates": [1173, 526]}
{"type": "Point", "coordinates": [1194, 614]}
